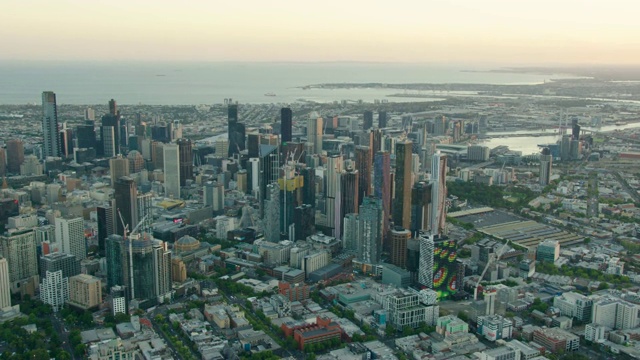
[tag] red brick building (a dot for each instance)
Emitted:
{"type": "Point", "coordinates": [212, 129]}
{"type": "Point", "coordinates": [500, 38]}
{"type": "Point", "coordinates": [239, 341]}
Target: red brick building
{"type": "Point", "coordinates": [295, 292]}
{"type": "Point", "coordinates": [323, 330]}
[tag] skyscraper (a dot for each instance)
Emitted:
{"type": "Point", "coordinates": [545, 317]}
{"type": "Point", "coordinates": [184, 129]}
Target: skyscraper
{"type": "Point", "coordinates": [70, 236]}
{"type": "Point", "coordinates": [398, 239]}
{"type": "Point", "coordinates": [370, 231]}
{"type": "Point", "coordinates": [363, 164]}
{"type": "Point", "coordinates": [110, 131]}
{"type": "Point", "coordinates": [19, 248]}
{"type": "Point", "coordinates": [86, 135]}
{"type": "Point", "coordinates": [402, 201]}
{"type": "Point", "coordinates": [213, 194]}
{"type": "Point", "coordinates": [5, 284]}
{"type": "Point", "coordinates": [545, 166]}
{"type": "Point", "coordinates": [382, 185]}
{"type": "Point", "coordinates": [119, 167]}
{"type": "Point", "coordinates": [420, 207]}
{"type": "Point", "coordinates": [349, 202]}
{"type": "Point", "coordinates": [425, 269]}
{"type": "Point", "coordinates": [186, 160]}
{"type": "Point", "coordinates": [334, 167]}
{"type": "Point", "coordinates": [269, 168]}
{"type": "Point", "coordinates": [367, 122]}
{"type": "Point", "coordinates": [126, 195]}
{"type": "Point", "coordinates": [286, 122]}
{"type": "Point", "coordinates": [116, 261]}
{"type": "Point", "coordinates": [171, 159]}
{"type": "Point", "coordinates": [15, 155]}
{"type": "Point", "coordinates": [314, 133]}
{"type": "Point", "coordinates": [438, 193]}
{"type": "Point", "coordinates": [54, 290]}
{"type": "Point", "coordinates": [236, 131]}
{"type": "Point", "coordinates": [382, 119]}
{"type": "Point", "coordinates": [50, 125]}
{"type": "Point", "coordinates": [271, 220]}
{"type": "Point", "coordinates": [106, 225]}
{"type": "Point", "coordinates": [162, 270]}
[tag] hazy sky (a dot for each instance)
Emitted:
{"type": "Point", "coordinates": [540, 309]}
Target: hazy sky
{"type": "Point", "coordinates": [442, 31]}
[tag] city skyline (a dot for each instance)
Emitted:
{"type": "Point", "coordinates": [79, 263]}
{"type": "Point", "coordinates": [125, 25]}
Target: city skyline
{"type": "Point", "coordinates": [494, 31]}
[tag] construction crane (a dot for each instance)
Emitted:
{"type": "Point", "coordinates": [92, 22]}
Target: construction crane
{"type": "Point", "coordinates": [133, 232]}
{"type": "Point", "coordinates": [492, 257]}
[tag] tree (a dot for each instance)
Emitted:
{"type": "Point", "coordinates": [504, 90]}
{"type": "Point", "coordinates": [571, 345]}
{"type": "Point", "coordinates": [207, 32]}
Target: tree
{"type": "Point", "coordinates": [463, 316]}
{"type": "Point", "coordinates": [79, 350]}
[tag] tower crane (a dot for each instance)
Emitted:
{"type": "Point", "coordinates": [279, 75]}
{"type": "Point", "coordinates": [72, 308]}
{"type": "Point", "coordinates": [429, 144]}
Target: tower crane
{"type": "Point", "coordinates": [492, 258]}
{"type": "Point", "coordinates": [133, 232]}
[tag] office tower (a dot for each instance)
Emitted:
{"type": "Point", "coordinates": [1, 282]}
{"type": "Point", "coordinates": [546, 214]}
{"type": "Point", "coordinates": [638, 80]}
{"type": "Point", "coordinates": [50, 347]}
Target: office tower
{"type": "Point", "coordinates": [565, 148]}
{"type": "Point", "coordinates": [309, 187]}
{"type": "Point", "coordinates": [402, 200]}
{"type": "Point", "coordinates": [54, 290]}
{"type": "Point", "coordinates": [382, 119]}
{"type": "Point", "coordinates": [19, 249]}
{"type": "Point", "coordinates": [286, 123]}
{"type": "Point", "coordinates": [3, 162]}
{"type": "Point", "coordinates": [369, 233]}
{"type": "Point", "coordinates": [348, 195]}
{"type": "Point", "coordinates": [160, 133]}
{"type": "Point", "coordinates": [142, 286]}
{"type": "Point", "coordinates": [438, 193]}
{"type": "Point", "coordinates": [290, 184]}
{"type": "Point", "coordinates": [126, 194]}
{"type": "Point", "coordinates": [31, 166]}
{"type": "Point", "coordinates": [106, 225]}
{"type": "Point", "coordinates": [89, 114]}
{"type": "Point", "coordinates": [186, 160]}
{"type": "Point", "coordinates": [157, 155]}
{"type": "Point", "coordinates": [50, 125]}
{"type": "Point", "coordinates": [575, 129]}
{"type": "Point", "coordinates": [136, 162]}
{"type": "Point", "coordinates": [440, 126]}
{"type": "Point", "coordinates": [67, 263]}
{"type": "Point", "coordinates": [86, 136]}
{"type": "Point", "coordinates": [350, 233]}
{"type": "Point", "coordinates": [271, 220]}
{"type": "Point", "coordinates": [213, 194]}
{"type": "Point", "coordinates": [236, 131]}
{"type": "Point", "coordinates": [382, 185]}
{"type": "Point", "coordinates": [490, 300]}
{"type": "Point", "coordinates": [85, 291]}
{"type": "Point", "coordinates": [15, 155]}
{"type": "Point", "coordinates": [420, 207]}
{"type": "Point", "coordinates": [5, 284]}
{"type": "Point", "coordinates": [253, 145]}
{"type": "Point", "coordinates": [314, 133]}
{"type": "Point", "coordinates": [241, 180]}
{"type": "Point", "coordinates": [363, 164]}
{"type": "Point", "coordinates": [171, 158]}
{"type": "Point", "coordinates": [398, 238]}
{"type": "Point", "coordinates": [66, 141]}
{"type": "Point", "coordinates": [110, 131]}
{"type": "Point", "coordinates": [269, 168]}
{"type": "Point", "coordinates": [116, 260]}
{"type": "Point", "coordinates": [545, 166]}
{"type": "Point", "coordinates": [425, 267]}
{"type": "Point", "coordinates": [70, 236]}
{"type": "Point", "coordinates": [119, 167]}
{"type": "Point", "coordinates": [334, 167]}
{"type": "Point", "coordinates": [175, 130]}
{"type": "Point", "coordinates": [304, 220]}
{"type": "Point", "coordinates": [367, 122]}
{"type": "Point", "coordinates": [162, 270]}
{"type": "Point", "coordinates": [548, 250]}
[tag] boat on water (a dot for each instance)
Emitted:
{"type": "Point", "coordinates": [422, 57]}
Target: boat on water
{"type": "Point", "coordinates": [269, 94]}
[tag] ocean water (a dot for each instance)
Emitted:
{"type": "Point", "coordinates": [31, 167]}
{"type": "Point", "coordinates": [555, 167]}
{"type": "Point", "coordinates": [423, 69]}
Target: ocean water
{"type": "Point", "coordinates": [209, 83]}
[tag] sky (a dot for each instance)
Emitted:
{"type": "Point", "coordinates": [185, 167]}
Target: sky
{"type": "Point", "coordinates": [507, 32]}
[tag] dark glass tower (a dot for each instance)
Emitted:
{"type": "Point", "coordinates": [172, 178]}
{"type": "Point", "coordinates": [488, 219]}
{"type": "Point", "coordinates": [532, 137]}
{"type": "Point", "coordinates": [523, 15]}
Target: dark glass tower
{"type": "Point", "coordinates": [236, 131]}
{"type": "Point", "coordinates": [367, 123]}
{"type": "Point", "coordinates": [382, 119]}
{"type": "Point", "coordinates": [286, 123]}
{"type": "Point", "coordinates": [348, 192]}
{"type": "Point", "coordinates": [116, 260]}
{"type": "Point", "coordinates": [420, 207]}
{"type": "Point", "coordinates": [126, 196]}
{"type": "Point", "coordinates": [86, 135]}
{"type": "Point", "coordinates": [363, 164]}
{"type": "Point", "coordinates": [186, 160]}
{"type": "Point", "coordinates": [105, 225]}
{"type": "Point", "coordinates": [402, 201]}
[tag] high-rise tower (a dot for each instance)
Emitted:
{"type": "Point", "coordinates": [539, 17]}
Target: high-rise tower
{"type": "Point", "coordinates": [126, 195]}
{"type": "Point", "coordinates": [186, 160]}
{"type": "Point", "coordinates": [314, 133]}
{"type": "Point", "coordinates": [363, 164]}
{"type": "Point", "coordinates": [70, 235]}
{"type": "Point", "coordinates": [171, 160]}
{"type": "Point", "coordinates": [286, 120]}
{"type": "Point", "coordinates": [545, 166]}
{"type": "Point", "coordinates": [367, 122]}
{"type": "Point", "coordinates": [382, 185]}
{"type": "Point", "coordinates": [438, 193]}
{"type": "Point", "coordinates": [5, 284]}
{"type": "Point", "coordinates": [15, 155]}
{"type": "Point", "coordinates": [236, 131]}
{"type": "Point", "coordinates": [50, 125]}
{"type": "Point", "coordinates": [425, 269]}
{"type": "Point", "coordinates": [402, 201]}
